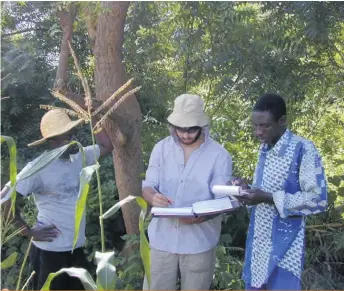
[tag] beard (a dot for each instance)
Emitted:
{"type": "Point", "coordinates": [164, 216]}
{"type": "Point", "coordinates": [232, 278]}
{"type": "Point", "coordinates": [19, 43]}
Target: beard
{"type": "Point", "coordinates": [190, 141]}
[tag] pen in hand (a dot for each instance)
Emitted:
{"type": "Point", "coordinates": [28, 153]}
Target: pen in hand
{"type": "Point", "coordinates": [160, 200]}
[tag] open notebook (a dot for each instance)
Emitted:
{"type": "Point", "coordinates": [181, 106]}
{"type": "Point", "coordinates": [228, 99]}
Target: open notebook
{"type": "Point", "coordinates": [201, 208]}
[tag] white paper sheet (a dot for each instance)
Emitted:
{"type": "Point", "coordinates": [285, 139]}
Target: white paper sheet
{"type": "Point", "coordinates": [210, 206]}
{"type": "Point", "coordinates": [178, 211]}
{"type": "Point", "coordinates": [223, 190]}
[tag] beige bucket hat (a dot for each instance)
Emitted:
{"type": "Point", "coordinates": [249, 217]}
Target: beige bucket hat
{"type": "Point", "coordinates": [188, 112]}
{"type": "Point", "coordinates": [55, 122]}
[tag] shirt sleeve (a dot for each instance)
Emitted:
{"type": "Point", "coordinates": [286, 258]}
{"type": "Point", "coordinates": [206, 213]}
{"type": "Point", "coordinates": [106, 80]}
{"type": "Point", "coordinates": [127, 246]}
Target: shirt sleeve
{"type": "Point", "coordinates": [222, 172]}
{"type": "Point", "coordinates": [30, 184]}
{"type": "Point", "coordinates": [312, 198]}
{"type": "Point", "coordinates": [92, 154]}
{"type": "Point", "coordinates": [154, 167]}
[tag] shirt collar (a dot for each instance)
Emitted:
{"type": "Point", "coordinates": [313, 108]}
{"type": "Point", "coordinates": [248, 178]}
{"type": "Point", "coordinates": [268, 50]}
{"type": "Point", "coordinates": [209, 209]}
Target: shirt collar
{"type": "Point", "coordinates": [281, 144]}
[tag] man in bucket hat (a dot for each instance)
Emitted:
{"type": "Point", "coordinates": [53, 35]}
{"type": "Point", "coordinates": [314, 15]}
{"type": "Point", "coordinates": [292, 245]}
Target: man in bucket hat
{"type": "Point", "coordinates": [182, 169]}
{"type": "Point", "coordinates": [56, 188]}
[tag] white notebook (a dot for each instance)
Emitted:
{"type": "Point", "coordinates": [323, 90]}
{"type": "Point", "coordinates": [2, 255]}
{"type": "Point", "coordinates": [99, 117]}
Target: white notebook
{"type": "Point", "coordinates": [201, 208]}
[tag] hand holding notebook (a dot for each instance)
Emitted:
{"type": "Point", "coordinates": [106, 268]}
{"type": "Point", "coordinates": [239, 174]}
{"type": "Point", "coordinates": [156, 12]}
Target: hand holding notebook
{"type": "Point", "coordinates": [201, 208]}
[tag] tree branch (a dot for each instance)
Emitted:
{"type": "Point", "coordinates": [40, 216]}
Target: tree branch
{"type": "Point", "coordinates": [23, 31]}
{"type": "Point", "coordinates": [229, 90]}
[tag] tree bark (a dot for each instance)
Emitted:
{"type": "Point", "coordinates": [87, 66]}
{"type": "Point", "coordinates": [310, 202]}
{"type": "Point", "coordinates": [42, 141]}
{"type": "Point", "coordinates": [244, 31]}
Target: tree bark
{"type": "Point", "coordinates": [124, 127]}
{"type": "Point", "coordinates": [66, 20]}
{"type": "Point", "coordinates": [91, 24]}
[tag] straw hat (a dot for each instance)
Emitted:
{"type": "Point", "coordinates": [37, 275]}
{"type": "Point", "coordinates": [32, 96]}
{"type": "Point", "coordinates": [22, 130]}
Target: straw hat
{"type": "Point", "coordinates": [55, 122]}
{"type": "Point", "coordinates": [188, 112]}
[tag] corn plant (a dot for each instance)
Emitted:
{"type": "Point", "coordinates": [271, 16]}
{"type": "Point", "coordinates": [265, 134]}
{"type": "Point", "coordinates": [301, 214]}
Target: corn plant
{"type": "Point", "coordinates": [106, 271]}
{"type": "Point", "coordinates": [6, 221]}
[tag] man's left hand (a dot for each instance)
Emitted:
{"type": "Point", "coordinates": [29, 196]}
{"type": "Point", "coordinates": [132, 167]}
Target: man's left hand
{"type": "Point", "coordinates": [254, 196]}
{"type": "Point", "coordinates": [192, 220]}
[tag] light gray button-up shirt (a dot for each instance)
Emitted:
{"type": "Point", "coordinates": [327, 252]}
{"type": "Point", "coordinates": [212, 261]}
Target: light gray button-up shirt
{"type": "Point", "coordinates": [209, 165]}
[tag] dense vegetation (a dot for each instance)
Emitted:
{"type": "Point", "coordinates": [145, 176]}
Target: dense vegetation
{"type": "Point", "coordinates": [227, 52]}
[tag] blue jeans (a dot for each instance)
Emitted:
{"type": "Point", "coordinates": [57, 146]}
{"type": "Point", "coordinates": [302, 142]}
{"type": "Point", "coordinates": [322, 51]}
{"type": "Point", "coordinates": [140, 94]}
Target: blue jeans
{"type": "Point", "coordinates": [280, 279]}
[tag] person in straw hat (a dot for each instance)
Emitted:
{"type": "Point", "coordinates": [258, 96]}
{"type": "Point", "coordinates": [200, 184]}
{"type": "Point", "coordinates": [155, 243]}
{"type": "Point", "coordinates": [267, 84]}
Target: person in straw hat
{"type": "Point", "coordinates": [56, 188]}
{"type": "Point", "coordinates": [182, 169]}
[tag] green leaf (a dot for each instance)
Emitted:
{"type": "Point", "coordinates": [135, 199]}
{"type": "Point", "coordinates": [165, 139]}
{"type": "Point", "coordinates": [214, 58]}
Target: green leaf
{"type": "Point", "coordinates": [340, 242]}
{"type": "Point", "coordinates": [84, 276]}
{"type": "Point", "coordinates": [144, 244]}
{"type": "Point", "coordinates": [106, 271]}
{"type": "Point", "coordinates": [9, 261]}
{"type": "Point", "coordinates": [117, 206]}
{"type": "Point", "coordinates": [13, 167]}
{"type": "Point", "coordinates": [341, 191]}
{"type": "Point", "coordinates": [45, 159]}
{"type": "Point", "coordinates": [85, 178]}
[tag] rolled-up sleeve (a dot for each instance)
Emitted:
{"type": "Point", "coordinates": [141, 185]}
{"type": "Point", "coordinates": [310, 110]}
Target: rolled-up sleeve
{"type": "Point", "coordinates": [222, 170]}
{"type": "Point", "coordinates": [92, 154]}
{"type": "Point", "coordinates": [154, 167]}
{"type": "Point", "coordinates": [312, 198]}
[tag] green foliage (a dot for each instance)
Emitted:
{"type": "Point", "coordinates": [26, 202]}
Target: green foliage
{"type": "Point", "coordinates": [82, 274]}
{"type": "Point", "coordinates": [85, 178]}
{"type": "Point", "coordinates": [227, 270]}
{"type": "Point", "coordinates": [106, 271]}
{"type": "Point", "coordinates": [229, 53]}
{"type": "Point", "coordinates": [144, 245]}
{"type": "Point", "coordinates": [6, 223]}
{"type": "Point", "coordinates": [13, 167]}
{"type": "Point", "coordinates": [9, 261]}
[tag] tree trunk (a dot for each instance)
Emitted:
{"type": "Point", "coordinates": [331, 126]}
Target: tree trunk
{"type": "Point", "coordinates": [66, 20]}
{"type": "Point", "coordinates": [124, 127]}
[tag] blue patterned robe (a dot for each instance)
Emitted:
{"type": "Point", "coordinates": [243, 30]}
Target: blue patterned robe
{"type": "Point", "coordinates": [292, 171]}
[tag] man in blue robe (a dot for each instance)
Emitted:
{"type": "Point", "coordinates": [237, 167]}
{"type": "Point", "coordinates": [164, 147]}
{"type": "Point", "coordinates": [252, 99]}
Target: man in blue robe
{"type": "Point", "coordinates": [289, 184]}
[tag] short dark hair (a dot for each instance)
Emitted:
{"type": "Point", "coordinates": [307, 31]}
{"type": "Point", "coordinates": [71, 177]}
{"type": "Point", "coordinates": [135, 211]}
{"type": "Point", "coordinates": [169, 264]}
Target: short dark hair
{"type": "Point", "coordinates": [272, 103]}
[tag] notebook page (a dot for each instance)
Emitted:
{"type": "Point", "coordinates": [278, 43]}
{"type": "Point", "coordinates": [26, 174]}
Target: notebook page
{"type": "Point", "coordinates": [177, 211]}
{"type": "Point", "coordinates": [210, 206]}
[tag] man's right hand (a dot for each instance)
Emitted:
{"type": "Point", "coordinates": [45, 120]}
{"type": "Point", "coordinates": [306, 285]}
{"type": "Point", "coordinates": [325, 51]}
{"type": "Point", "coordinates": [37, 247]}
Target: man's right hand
{"type": "Point", "coordinates": [240, 182]}
{"type": "Point", "coordinates": [160, 200]}
{"type": "Point", "coordinates": [44, 233]}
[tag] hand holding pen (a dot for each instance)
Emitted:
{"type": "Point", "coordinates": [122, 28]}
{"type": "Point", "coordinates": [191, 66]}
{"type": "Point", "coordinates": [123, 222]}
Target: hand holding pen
{"type": "Point", "coordinates": [160, 200]}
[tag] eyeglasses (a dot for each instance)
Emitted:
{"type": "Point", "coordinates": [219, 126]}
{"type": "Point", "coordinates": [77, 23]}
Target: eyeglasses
{"type": "Point", "coordinates": [192, 129]}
